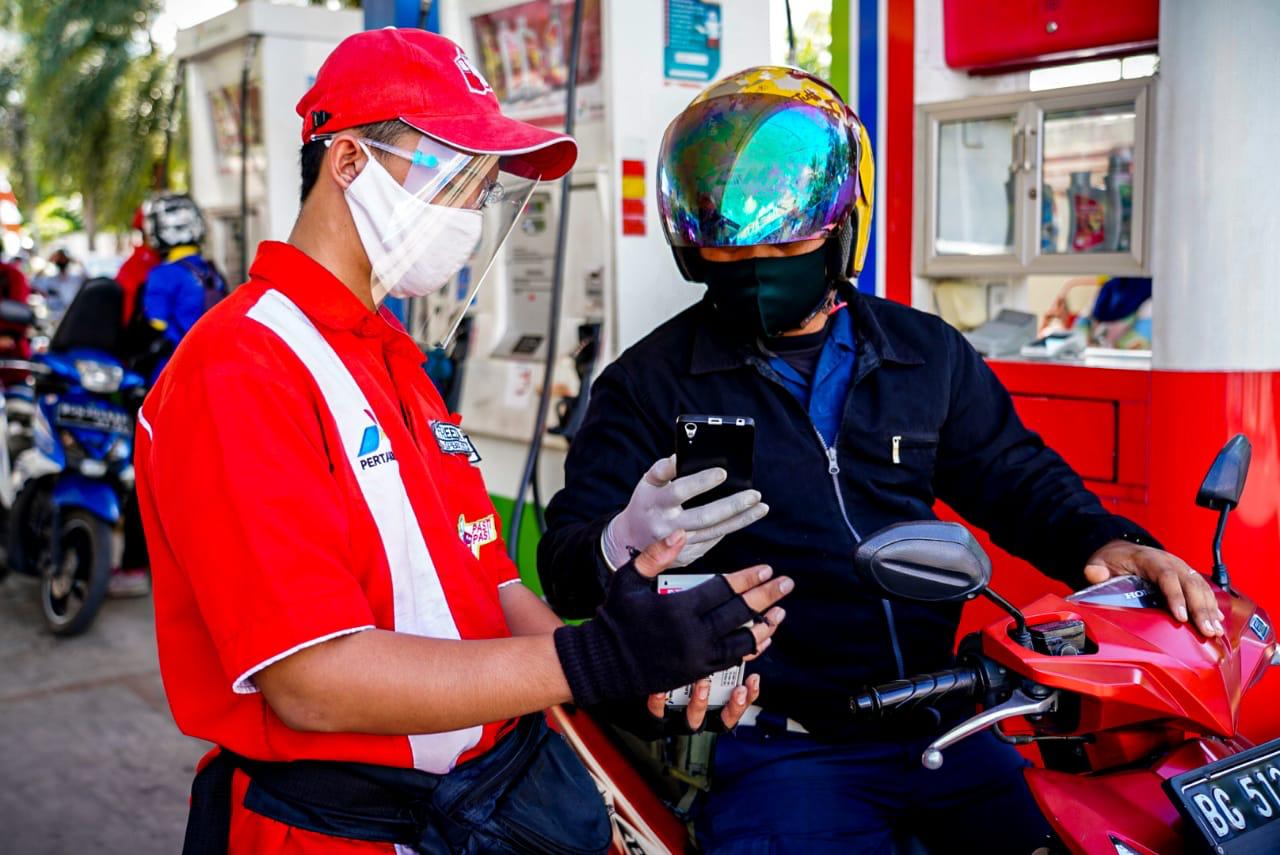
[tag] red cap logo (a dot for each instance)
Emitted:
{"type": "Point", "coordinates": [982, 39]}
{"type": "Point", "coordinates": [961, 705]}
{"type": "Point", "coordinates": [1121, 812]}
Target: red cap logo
{"type": "Point", "coordinates": [473, 78]}
{"type": "Point", "coordinates": [409, 74]}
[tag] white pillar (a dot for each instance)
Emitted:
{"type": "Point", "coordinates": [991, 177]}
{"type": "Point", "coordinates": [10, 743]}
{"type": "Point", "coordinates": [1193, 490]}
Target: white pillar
{"type": "Point", "coordinates": [1216, 222]}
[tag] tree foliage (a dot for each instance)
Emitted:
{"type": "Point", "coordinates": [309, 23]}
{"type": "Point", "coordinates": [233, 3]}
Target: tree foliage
{"type": "Point", "coordinates": [813, 44]}
{"type": "Point", "coordinates": [88, 101]}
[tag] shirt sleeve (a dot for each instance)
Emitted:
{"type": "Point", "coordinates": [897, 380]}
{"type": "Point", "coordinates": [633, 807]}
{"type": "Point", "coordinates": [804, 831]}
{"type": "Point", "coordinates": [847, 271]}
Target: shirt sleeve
{"type": "Point", "coordinates": [498, 566]}
{"type": "Point", "coordinates": [501, 569]}
{"type": "Point", "coordinates": [233, 456]}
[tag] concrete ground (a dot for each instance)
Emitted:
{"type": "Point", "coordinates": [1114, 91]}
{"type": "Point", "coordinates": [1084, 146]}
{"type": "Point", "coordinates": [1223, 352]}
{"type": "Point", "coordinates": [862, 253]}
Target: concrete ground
{"type": "Point", "coordinates": [90, 759]}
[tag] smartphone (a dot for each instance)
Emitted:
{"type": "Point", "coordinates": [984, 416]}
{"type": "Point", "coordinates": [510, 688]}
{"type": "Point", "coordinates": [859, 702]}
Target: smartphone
{"type": "Point", "coordinates": [705, 442]}
{"type": "Point", "coordinates": [722, 682]}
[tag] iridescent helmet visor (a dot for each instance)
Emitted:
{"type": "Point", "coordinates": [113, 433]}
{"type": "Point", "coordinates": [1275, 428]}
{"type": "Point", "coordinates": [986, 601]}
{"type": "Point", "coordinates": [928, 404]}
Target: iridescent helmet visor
{"type": "Point", "coordinates": [752, 168]}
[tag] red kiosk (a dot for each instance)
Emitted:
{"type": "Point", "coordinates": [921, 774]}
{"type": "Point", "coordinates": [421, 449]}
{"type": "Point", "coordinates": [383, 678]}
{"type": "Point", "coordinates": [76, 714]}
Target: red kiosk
{"type": "Point", "coordinates": [1141, 432]}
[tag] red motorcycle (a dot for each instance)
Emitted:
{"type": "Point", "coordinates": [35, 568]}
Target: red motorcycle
{"type": "Point", "coordinates": [1134, 714]}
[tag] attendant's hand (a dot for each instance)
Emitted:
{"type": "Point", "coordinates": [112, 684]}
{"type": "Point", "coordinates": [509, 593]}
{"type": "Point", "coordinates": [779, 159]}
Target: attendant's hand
{"type": "Point", "coordinates": [1187, 592]}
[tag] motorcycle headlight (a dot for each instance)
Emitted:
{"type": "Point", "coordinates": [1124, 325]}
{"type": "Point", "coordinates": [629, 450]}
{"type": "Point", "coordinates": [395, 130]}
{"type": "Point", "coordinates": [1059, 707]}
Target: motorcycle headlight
{"type": "Point", "coordinates": [1121, 848]}
{"type": "Point", "coordinates": [126, 477]}
{"type": "Point", "coordinates": [91, 468]}
{"type": "Point", "coordinates": [100, 377]}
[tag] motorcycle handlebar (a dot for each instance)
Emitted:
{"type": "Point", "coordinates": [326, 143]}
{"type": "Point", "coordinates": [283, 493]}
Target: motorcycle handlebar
{"type": "Point", "coordinates": [876, 700]}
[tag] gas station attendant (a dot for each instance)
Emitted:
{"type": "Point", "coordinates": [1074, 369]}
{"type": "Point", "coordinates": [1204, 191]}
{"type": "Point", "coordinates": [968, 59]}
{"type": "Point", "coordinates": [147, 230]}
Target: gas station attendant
{"type": "Point", "coordinates": [334, 606]}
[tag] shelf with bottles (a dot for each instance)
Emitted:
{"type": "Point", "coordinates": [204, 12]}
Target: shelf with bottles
{"type": "Point", "coordinates": [1035, 183]}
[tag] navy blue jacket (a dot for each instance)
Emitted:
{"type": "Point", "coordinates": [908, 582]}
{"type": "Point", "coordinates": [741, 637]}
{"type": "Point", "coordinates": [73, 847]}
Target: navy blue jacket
{"type": "Point", "coordinates": [961, 441]}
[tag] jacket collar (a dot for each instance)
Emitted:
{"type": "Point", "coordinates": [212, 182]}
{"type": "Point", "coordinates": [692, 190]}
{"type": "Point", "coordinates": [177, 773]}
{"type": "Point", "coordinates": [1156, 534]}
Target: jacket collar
{"type": "Point", "coordinates": [715, 350]}
{"type": "Point", "coordinates": [318, 293]}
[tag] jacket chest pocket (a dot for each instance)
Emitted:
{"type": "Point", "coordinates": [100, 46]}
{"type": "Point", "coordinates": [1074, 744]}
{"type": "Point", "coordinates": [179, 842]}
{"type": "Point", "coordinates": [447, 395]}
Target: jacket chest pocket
{"type": "Point", "coordinates": [899, 462]}
{"type": "Point", "coordinates": [913, 449]}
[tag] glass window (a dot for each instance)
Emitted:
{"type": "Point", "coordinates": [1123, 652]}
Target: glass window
{"type": "Point", "coordinates": [1086, 201]}
{"type": "Point", "coordinates": [975, 187]}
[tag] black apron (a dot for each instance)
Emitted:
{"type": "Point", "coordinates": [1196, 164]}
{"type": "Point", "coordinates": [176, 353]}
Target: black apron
{"type": "Point", "coordinates": [528, 794]}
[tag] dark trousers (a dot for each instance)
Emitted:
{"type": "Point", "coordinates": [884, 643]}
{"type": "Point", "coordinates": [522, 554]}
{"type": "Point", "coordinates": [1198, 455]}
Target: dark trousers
{"type": "Point", "coordinates": [778, 792]}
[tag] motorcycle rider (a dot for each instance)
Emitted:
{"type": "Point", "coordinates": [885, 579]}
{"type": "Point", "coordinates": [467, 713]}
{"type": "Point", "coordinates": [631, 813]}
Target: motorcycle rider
{"type": "Point", "coordinates": [331, 585]}
{"type": "Point", "coordinates": [166, 285]}
{"type": "Point", "coordinates": [865, 411]}
{"type": "Point", "coordinates": [183, 287]}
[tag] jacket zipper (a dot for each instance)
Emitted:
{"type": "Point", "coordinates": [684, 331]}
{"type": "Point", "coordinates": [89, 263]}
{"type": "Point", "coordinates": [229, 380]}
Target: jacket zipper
{"type": "Point", "coordinates": [833, 469]}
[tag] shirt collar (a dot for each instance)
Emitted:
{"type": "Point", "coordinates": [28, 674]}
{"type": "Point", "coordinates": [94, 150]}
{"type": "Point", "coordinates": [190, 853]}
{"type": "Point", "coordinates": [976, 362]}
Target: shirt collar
{"type": "Point", "coordinates": [715, 350]}
{"type": "Point", "coordinates": [318, 293]}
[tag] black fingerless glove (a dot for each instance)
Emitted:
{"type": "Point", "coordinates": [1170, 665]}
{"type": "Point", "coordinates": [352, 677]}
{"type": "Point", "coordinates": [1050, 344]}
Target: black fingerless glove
{"type": "Point", "coordinates": [641, 642]}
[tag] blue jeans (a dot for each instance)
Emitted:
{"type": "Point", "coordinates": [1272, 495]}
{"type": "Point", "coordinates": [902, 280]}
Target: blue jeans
{"type": "Point", "coordinates": [775, 792]}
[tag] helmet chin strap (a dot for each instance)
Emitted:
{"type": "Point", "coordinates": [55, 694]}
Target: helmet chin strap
{"type": "Point", "coordinates": [826, 307]}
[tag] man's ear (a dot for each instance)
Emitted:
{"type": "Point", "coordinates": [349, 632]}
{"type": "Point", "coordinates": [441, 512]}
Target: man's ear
{"type": "Point", "coordinates": [344, 160]}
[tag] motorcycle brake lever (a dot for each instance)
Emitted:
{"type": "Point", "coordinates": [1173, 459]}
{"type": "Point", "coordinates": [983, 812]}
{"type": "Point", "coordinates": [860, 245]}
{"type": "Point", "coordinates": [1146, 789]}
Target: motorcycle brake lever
{"type": "Point", "coordinates": [1019, 704]}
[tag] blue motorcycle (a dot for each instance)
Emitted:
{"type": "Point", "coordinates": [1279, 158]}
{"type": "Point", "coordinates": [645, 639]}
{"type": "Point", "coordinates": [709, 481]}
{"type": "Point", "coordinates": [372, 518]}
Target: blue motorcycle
{"type": "Point", "coordinates": [66, 489]}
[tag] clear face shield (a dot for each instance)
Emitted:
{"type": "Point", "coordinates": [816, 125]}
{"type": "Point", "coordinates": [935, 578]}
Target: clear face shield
{"type": "Point", "coordinates": [453, 210]}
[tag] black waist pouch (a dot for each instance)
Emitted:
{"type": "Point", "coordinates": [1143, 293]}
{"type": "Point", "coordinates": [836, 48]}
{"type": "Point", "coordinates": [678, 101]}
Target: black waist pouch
{"type": "Point", "coordinates": [529, 794]}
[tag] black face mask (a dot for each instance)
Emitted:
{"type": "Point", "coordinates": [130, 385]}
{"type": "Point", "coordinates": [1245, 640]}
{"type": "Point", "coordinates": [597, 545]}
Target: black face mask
{"type": "Point", "coordinates": [768, 296]}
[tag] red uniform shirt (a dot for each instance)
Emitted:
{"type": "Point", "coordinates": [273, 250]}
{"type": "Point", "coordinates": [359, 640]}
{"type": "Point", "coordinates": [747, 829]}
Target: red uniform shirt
{"type": "Point", "coordinates": [300, 479]}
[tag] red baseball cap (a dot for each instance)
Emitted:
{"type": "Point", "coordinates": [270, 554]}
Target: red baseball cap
{"type": "Point", "coordinates": [427, 82]}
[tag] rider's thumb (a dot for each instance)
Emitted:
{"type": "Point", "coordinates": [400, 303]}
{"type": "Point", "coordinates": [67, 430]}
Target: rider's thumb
{"type": "Point", "coordinates": [660, 555]}
{"type": "Point", "coordinates": [1095, 573]}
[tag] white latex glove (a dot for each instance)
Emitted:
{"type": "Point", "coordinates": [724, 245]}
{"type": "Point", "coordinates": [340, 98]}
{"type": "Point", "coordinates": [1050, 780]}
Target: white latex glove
{"type": "Point", "coordinates": [655, 511]}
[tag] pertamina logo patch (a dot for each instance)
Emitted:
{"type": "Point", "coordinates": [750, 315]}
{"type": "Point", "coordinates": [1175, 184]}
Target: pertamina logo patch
{"type": "Point", "coordinates": [476, 534]}
{"type": "Point", "coordinates": [375, 448]}
{"type": "Point", "coordinates": [474, 79]}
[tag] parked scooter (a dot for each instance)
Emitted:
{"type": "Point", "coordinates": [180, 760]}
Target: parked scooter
{"type": "Point", "coordinates": [1134, 713]}
{"type": "Point", "coordinates": [64, 493]}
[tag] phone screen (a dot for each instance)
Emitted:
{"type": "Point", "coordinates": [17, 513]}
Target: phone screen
{"type": "Point", "coordinates": [705, 442]}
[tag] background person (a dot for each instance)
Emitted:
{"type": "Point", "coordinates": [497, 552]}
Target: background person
{"type": "Point", "coordinates": [178, 291]}
{"type": "Point", "coordinates": [14, 343]}
{"type": "Point", "coordinates": [59, 282]}
{"type": "Point", "coordinates": [866, 412]}
{"type": "Point", "coordinates": [133, 272]}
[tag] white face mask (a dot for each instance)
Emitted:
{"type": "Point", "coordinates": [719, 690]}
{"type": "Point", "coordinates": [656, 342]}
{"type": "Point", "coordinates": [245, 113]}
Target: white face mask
{"type": "Point", "coordinates": [414, 247]}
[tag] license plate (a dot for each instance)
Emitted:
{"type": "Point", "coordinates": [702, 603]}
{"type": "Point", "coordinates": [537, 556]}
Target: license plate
{"type": "Point", "coordinates": [1234, 803]}
{"type": "Point", "coordinates": [95, 418]}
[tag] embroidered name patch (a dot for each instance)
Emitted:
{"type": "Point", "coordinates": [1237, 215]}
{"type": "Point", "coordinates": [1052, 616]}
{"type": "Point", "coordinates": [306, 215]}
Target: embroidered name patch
{"type": "Point", "coordinates": [476, 534]}
{"type": "Point", "coordinates": [452, 440]}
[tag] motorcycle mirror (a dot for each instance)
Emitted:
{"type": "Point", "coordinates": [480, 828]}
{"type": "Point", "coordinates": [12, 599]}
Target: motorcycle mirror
{"type": "Point", "coordinates": [929, 561]}
{"type": "Point", "coordinates": [15, 312]}
{"type": "Point", "coordinates": [1222, 487]}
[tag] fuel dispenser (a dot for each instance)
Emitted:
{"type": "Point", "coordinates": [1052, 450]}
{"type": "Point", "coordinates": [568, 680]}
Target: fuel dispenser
{"type": "Point", "coordinates": [640, 63]}
{"type": "Point", "coordinates": [244, 72]}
